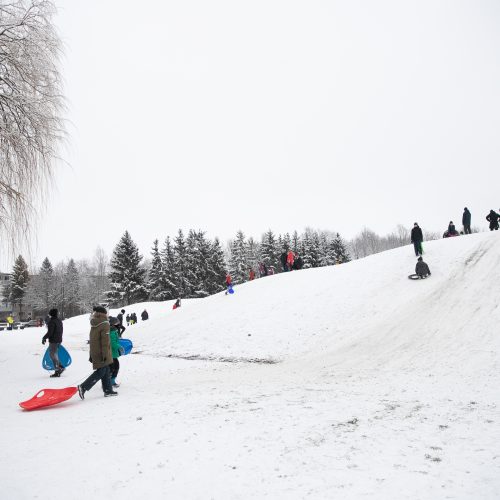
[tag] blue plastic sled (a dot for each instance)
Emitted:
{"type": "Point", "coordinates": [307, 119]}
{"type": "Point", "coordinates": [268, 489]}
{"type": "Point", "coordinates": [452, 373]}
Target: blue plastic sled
{"type": "Point", "coordinates": [127, 345]}
{"type": "Point", "coordinates": [230, 290]}
{"type": "Point", "coordinates": [64, 358]}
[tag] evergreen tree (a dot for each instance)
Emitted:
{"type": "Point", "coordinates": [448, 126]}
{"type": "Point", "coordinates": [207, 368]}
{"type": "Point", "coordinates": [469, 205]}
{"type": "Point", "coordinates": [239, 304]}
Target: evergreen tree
{"type": "Point", "coordinates": [340, 249]}
{"type": "Point", "coordinates": [238, 259]}
{"type": "Point", "coordinates": [127, 276]}
{"type": "Point", "coordinates": [156, 282]}
{"type": "Point", "coordinates": [170, 277]}
{"type": "Point", "coordinates": [199, 255]}
{"type": "Point", "coordinates": [16, 290]}
{"type": "Point", "coordinates": [269, 250]}
{"type": "Point", "coordinates": [182, 284]}
{"type": "Point", "coordinates": [253, 256]}
{"type": "Point", "coordinates": [71, 300]}
{"type": "Point", "coordinates": [41, 289]}
{"type": "Point", "coordinates": [295, 243]}
{"type": "Point", "coordinates": [216, 268]}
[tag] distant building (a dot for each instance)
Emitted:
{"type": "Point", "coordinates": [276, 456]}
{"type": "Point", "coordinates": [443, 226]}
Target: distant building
{"type": "Point", "coordinates": [5, 306]}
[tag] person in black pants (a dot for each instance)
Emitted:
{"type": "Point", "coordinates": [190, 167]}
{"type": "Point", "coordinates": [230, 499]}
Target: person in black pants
{"type": "Point", "coordinates": [100, 354]}
{"type": "Point", "coordinates": [416, 238]}
{"type": "Point", "coordinates": [54, 336]}
{"type": "Point", "coordinates": [466, 220]}
{"type": "Point", "coordinates": [121, 328]}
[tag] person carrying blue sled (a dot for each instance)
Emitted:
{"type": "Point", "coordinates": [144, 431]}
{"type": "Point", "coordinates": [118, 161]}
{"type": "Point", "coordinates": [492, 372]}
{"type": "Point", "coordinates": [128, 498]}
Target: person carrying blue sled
{"type": "Point", "coordinates": [54, 336]}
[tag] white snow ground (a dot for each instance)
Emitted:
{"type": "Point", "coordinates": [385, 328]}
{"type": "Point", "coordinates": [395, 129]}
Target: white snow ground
{"type": "Point", "coordinates": [373, 386]}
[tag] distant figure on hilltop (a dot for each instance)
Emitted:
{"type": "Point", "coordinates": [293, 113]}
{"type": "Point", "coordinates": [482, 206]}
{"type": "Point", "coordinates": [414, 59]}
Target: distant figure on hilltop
{"type": "Point", "coordinates": [229, 282]}
{"type": "Point", "coordinates": [492, 218]}
{"type": "Point", "coordinates": [422, 269]}
{"type": "Point", "coordinates": [177, 304]}
{"type": "Point", "coordinates": [466, 220]}
{"type": "Point", "coordinates": [283, 260]}
{"type": "Point", "coordinates": [121, 328]}
{"type": "Point", "coordinates": [290, 258]}
{"type": "Point", "coordinates": [251, 275]}
{"type": "Point", "coordinates": [298, 263]}
{"type": "Point", "coordinates": [451, 231]}
{"type": "Point", "coordinates": [144, 315]}
{"type": "Point", "coordinates": [417, 238]}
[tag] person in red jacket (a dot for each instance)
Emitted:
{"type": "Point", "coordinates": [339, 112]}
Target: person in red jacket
{"type": "Point", "coordinates": [290, 259]}
{"type": "Point", "coordinates": [252, 274]}
{"type": "Point", "coordinates": [229, 282]}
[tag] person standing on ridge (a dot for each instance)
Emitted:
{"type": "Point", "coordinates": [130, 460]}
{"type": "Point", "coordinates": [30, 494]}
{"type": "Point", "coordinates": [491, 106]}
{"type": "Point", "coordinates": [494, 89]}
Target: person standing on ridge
{"type": "Point", "coordinates": [466, 220]}
{"type": "Point", "coordinates": [417, 238]}
{"type": "Point", "coordinates": [251, 275]}
{"type": "Point", "coordinates": [290, 258]}
{"type": "Point", "coordinates": [492, 218]}
{"type": "Point", "coordinates": [121, 328]}
{"type": "Point", "coordinates": [100, 354]}
{"type": "Point", "coordinates": [54, 336]}
{"type": "Point", "coordinates": [283, 260]}
{"type": "Point", "coordinates": [144, 315]}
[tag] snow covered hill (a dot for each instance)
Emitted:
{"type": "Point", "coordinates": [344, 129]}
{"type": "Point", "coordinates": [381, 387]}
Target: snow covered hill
{"type": "Point", "coordinates": [342, 382]}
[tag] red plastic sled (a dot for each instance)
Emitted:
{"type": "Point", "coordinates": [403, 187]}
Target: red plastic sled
{"type": "Point", "coordinates": [48, 397]}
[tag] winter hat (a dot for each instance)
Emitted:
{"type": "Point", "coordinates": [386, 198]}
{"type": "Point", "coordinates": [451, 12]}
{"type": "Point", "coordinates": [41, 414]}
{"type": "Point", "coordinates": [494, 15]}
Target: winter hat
{"type": "Point", "coordinates": [53, 313]}
{"type": "Point", "coordinates": [123, 310]}
{"type": "Point", "coordinates": [100, 309]}
{"type": "Point", "coordinates": [420, 258]}
{"type": "Point", "coordinates": [113, 321]}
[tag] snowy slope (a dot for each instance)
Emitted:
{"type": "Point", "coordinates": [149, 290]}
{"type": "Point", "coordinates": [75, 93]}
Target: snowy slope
{"type": "Point", "coordinates": [381, 388]}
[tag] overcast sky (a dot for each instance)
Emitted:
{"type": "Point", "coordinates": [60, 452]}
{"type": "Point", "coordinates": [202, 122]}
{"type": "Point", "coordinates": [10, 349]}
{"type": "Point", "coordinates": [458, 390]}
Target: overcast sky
{"type": "Point", "coordinates": [228, 115]}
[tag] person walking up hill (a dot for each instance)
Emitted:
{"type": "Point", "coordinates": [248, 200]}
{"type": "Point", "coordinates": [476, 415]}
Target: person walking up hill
{"type": "Point", "coordinates": [417, 238]}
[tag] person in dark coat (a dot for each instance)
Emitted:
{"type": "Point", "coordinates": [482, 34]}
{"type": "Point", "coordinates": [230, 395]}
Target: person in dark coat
{"type": "Point", "coordinates": [466, 220]}
{"type": "Point", "coordinates": [451, 229]}
{"type": "Point", "coordinates": [422, 269]}
{"type": "Point", "coordinates": [121, 328]}
{"type": "Point", "coordinates": [177, 304]}
{"type": "Point", "coordinates": [416, 238]}
{"type": "Point", "coordinates": [283, 258]}
{"type": "Point", "coordinates": [492, 218]}
{"type": "Point", "coordinates": [101, 356]}
{"type": "Point", "coordinates": [54, 336]}
{"type": "Point", "coordinates": [133, 317]}
{"type": "Point", "coordinates": [144, 315]}
{"type": "Point", "coordinates": [298, 263]}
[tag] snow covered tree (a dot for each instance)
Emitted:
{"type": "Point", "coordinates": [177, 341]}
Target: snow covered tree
{"type": "Point", "coordinates": [198, 263]}
{"type": "Point", "coordinates": [41, 289]}
{"type": "Point", "coordinates": [72, 299]}
{"type": "Point", "coordinates": [269, 250]}
{"type": "Point", "coordinates": [216, 268]}
{"type": "Point", "coordinates": [295, 243]}
{"type": "Point", "coordinates": [253, 255]}
{"type": "Point", "coordinates": [16, 290]}
{"type": "Point", "coordinates": [127, 277]}
{"type": "Point", "coordinates": [170, 277]}
{"type": "Point", "coordinates": [156, 282]}
{"type": "Point", "coordinates": [340, 249]}
{"type": "Point", "coordinates": [182, 284]}
{"type": "Point", "coordinates": [238, 259]}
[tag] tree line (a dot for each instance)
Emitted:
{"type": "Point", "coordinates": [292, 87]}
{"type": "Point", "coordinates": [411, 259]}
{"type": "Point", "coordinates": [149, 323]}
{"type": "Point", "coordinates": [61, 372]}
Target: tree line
{"type": "Point", "coordinates": [189, 265]}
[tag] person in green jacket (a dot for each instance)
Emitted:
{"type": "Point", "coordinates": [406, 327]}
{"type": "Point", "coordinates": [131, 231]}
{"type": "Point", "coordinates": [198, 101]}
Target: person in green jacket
{"type": "Point", "coordinates": [116, 349]}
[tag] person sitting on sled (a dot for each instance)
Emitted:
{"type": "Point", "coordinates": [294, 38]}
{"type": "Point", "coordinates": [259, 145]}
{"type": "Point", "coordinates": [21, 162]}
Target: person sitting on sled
{"type": "Point", "coordinates": [422, 269]}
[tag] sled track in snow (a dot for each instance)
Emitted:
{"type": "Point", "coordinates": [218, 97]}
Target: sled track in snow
{"type": "Point", "coordinates": [219, 359]}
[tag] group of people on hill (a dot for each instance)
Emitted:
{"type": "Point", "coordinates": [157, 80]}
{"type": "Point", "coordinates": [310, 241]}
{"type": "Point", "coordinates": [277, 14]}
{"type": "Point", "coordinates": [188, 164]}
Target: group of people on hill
{"type": "Point", "coordinates": [291, 261]}
{"type": "Point", "coordinates": [421, 268]}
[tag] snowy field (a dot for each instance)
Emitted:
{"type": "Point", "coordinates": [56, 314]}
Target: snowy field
{"type": "Point", "coordinates": [345, 382]}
